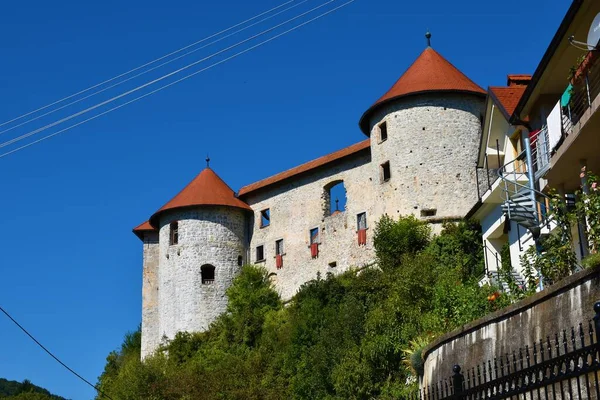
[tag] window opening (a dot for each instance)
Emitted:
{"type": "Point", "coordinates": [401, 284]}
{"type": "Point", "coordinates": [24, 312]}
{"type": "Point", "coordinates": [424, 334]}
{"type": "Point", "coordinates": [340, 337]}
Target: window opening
{"type": "Point", "coordinates": [332, 264]}
{"type": "Point", "coordinates": [279, 247]}
{"type": "Point", "coordinates": [361, 221]}
{"type": "Point", "coordinates": [240, 261]}
{"type": "Point", "coordinates": [334, 197]}
{"type": "Point", "coordinates": [265, 218]}
{"type": "Point", "coordinates": [314, 236]}
{"type": "Point", "coordinates": [386, 173]}
{"type": "Point", "coordinates": [383, 132]}
{"type": "Point", "coordinates": [208, 274]}
{"type": "Point", "coordinates": [174, 233]}
{"type": "Point", "coordinates": [260, 253]}
{"type": "Point", "coordinates": [429, 212]}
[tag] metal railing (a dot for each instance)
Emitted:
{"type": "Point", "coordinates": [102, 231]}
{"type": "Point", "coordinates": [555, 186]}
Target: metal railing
{"type": "Point", "coordinates": [584, 89]}
{"type": "Point", "coordinates": [560, 367]}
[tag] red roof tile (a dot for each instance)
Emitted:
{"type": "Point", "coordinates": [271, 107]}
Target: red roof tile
{"type": "Point", "coordinates": [429, 73]}
{"type": "Point", "coordinates": [145, 227]}
{"type": "Point", "coordinates": [207, 189]}
{"type": "Point", "coordinates": [355, 148]}
{"type": "Point", "coordinates": [508, 97]}
{"type": "Point", "coordinates": [518, 79]}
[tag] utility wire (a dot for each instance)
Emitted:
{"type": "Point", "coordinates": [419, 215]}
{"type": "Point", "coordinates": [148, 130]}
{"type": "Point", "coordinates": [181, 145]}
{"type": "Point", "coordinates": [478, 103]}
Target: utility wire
{"type": "Point", "coordinates": [151, 69]}
{"type": "Point", "coordinates": [70, 117]}
{"type": "Point", "coordinates": [52, 355]}
{"type": "Point", "coordinates": [149, 63]}
{"type": "Point", "coordinates": [179, 80]}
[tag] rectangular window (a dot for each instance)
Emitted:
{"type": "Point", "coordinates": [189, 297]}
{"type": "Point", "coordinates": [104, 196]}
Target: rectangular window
{"type": "Point", "coordinates": [174, 233]}
{"type": "Point", "coordinates": [265, 218]}
{"type": "Point", "coordinates": [279, 247]}
{"type": "Point", "coordinates": [260, 253]}
{"type": "Point", "coordinates": [383, 133]}
{"type": "Point", "coordinates": [314, 236]}
{"type": "Point", "coordinates": [429, 213]}
{"type": "Point", "coordinates": [386, 172]}
{"type": "Point", "coordinates": [361, 220]}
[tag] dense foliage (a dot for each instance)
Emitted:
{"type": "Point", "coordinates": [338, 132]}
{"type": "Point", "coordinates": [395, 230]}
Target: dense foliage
{"type": "Point", "coordinates": [13, 390]}
{"type": "Point", "coordinates": [358, 335]}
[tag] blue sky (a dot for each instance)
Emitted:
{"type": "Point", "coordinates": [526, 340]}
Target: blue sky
{"type": "Point", "coordinates": [70, 266]}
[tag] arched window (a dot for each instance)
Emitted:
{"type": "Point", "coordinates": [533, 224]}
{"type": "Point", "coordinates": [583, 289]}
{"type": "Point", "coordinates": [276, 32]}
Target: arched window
{"type": "Point", "coordinates": [208, 274]}
{"type": "Point", "coordinates": [334, 198]}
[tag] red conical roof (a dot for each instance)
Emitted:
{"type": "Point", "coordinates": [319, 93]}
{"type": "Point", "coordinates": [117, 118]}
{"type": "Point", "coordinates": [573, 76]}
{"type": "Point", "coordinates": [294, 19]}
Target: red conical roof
{"type": "Point", "coordinates": [207, 189]}
{"type": "Point", "coordinates": [429, 73]}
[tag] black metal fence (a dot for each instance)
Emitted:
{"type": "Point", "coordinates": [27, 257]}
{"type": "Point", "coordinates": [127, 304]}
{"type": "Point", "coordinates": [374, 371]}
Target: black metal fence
{"type": "Point", "coordinates": [563, 366]}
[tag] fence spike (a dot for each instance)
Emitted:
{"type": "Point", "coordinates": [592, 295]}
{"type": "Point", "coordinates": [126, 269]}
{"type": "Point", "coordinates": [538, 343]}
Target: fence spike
{"type": "Point", "coordinates": [535, 353]}
{"type": "Point", "coordinates": [446, 387]}
{"type": "Point", "coordinates": [591, 332]}
{"type": "Point", "coordinates": [501, 366]}
{"type": "Point", "coordinates": [508, 363]}
{"type": "Point", "coordinates": [527, 356]}
{"type": "Point", "coordinates": [573, 341]}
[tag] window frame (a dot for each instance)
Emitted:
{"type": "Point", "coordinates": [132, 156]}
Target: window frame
{"type": "Point", "coordinates": [385, 167]}
{"type": "Point", "coordinates": [278, 251]}
{"type": "Point", "coordinates": [263, 259]}
{"type": "Point", "coordinates": [310, 235]}
{"type": "Point", "coordinates": [174, 233]}
{"type": "Point", "coordinates": [383, 129]}
{"type": "Point", "coordinates": [358, 228]}
{"type": "Point", "coordinates": [208, 268]}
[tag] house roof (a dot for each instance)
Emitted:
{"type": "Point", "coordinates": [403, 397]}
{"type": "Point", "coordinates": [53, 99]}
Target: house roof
{"type": "Point", "coordinates": [142, 228]}
{"type": "Point", "coordinates": [430, 72]}
{"type": "Point", "coordinates": [355, 148]}
{"type": "Point", "coordinates": [507, 97]}
{"type": "Point", "coordinates": [206, 189]}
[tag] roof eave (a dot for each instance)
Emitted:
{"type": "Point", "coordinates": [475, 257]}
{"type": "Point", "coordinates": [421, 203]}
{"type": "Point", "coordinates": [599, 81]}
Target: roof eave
{"type": "Point", "coordinates": [364, 120]}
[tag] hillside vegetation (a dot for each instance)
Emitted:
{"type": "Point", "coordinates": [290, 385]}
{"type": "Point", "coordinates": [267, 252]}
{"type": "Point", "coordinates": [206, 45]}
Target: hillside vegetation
{"type": "Point", "coordinates": [358, 335]}
{"type": "Point", "coordinates": [25, 390]}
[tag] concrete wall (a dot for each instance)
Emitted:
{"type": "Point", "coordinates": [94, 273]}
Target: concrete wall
{"type": "Point", "coordinates": [559, 307]}
{"type": "Point", "coordinates": [209, 235]}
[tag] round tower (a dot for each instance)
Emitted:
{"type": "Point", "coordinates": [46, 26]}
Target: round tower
{"type": "Point", "coordinates": [202, 242]}
{"type": "Point", "coordinates": [425, 134]}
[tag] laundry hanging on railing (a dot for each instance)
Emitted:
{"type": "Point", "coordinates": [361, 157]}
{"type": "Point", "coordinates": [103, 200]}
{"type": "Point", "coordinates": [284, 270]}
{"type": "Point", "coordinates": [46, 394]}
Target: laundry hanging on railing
{"type": "Point", "coordinates": [566, 97]}
{"type": "Point", "coordinates": [555, 126]}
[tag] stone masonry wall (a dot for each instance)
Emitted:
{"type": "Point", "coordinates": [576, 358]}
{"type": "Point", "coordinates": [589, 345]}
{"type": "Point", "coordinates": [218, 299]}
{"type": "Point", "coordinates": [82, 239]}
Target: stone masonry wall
{"type": "Point", "coordinates": [208, 235]}
{"type": "Point", "coordinates": [432, 147]}
{"type": "Point", "coordinates": [150, 317]}
{"type": "Point", "coordinates": [297, 207]}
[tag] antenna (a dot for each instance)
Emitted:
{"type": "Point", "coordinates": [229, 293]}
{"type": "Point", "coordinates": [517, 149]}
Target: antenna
{"type": "Point", "coordinates": [592, 39]}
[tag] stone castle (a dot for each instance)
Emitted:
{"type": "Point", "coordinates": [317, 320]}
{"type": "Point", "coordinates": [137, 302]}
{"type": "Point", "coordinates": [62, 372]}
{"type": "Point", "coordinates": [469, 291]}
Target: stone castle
{"type": "Point", "coordinates": [419, 158]}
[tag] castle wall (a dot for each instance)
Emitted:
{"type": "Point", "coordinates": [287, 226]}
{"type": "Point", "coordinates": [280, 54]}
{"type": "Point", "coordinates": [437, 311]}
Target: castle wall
{"type": "Point", "coordinates": [150, 312]}
{"type": "Point", "coordinates": [432, 147]}
{"type": "Point", "coordinates": [299, 205]}
{"type": "Point", "coordinates": [208, 235]}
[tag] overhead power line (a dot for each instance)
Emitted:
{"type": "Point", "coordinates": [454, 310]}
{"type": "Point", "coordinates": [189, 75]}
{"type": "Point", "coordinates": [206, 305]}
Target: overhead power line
{"type": "Point", "coordinates": [97, 92]}
{"type": "Point", "coordinates": [179, 80]}
{"type": "Point", "coordinates": [53, 356]}
{"type": "Point", "coordinates": [85, 111]}
{"type": "Point", "coordinates": [148, 63]}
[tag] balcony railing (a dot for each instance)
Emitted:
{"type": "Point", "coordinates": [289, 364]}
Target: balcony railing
{"type": "Point", "coordinates": [582, 91]}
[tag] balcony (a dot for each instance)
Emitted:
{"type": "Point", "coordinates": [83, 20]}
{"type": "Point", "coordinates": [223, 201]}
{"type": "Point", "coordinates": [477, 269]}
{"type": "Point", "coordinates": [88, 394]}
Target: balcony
{"type": "Point", "coordinates": [572, 138]}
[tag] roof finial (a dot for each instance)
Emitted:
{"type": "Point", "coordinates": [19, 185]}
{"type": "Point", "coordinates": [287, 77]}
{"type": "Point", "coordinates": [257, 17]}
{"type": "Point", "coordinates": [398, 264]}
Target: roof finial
{"type": "Point", "coordinates": [207, 161]}
{"type": "Point", "coordinates": [428, 36]}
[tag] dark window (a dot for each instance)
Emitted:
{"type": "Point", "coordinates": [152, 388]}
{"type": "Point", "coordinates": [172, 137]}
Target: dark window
{"type": "Point", "coordinates": [208, 274]}
{"type": "Point", "coordinates": [332, 264]}
{"type": "Point", "coordinates": [240, 261]}
{"type": "Point", "coordinates": [314, 236]}
{"type": "Point", "coordinates": [265, 218]}
{"type": "Point", "coordinates": [361, 220]}
{"type": "Point", "coordinates": [260, 253]}
{"type": "Point", "coordinates": [279, 247]}
{"type": "Point", "coordinates": [174, 233]}
{"type": "Point", "coordinates": [386, 172]}
{"type": "Point", "coordinates": [383, 133]}
{"type": "Point", "coordinates": [428, 213]}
